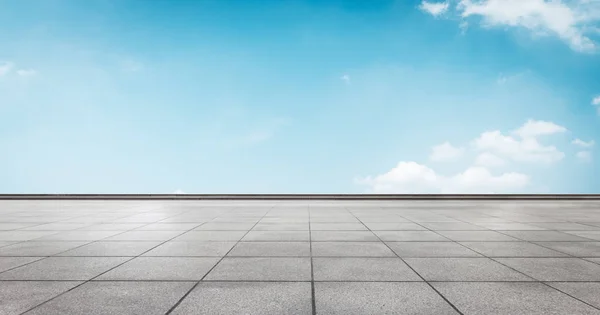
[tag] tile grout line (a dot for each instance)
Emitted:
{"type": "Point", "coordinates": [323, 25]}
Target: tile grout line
{"type": "Point", "coordinates": [312, 272]}
{"type": "Point", "coordinates": [170, 310]}
{"type": "Point", "coordinates": [411, 268]}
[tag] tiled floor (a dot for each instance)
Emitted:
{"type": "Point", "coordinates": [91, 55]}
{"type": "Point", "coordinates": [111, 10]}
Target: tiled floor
{"type": "Point", "coordinates": [299, 257]}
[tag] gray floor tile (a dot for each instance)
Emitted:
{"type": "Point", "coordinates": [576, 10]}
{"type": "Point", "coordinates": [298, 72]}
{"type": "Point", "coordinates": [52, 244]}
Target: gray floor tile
{"type": "Point", "coordinates": [555, 269]}
{"type": "Point", "coordinates": [337, 227]}
{"type": "Point", "coordinates": [350, 298]}
{"type": "Point", "coordinates": [232, 236]}
{"type": "Point", "coordinates": [168, 227]}
{"type": "Point", "coordinates": [271, 249]}
{"type": "Point", "coordinates": [214, 226]}
{"type": "Point", "coordinates": [356, 236]}
{"type": "Point", "coordinates": [543, 236]}
{"type": "Point", "coordinates": [588, 292]}
{"type": "Point", "coordinates": [63, 268]}
{"type": "Point", "coordinates": [362, 269]}
{"type": "Point", "coordinates": [452, 226]}
{"type": "Point", "coordinates": [410, 236]}
{"type": "Point", "coordinates": [104, 297]}
{"type": "Point", "coordinates": [351, 249]}
{"type": "Point", "coordinates": [79, 236]}
{"type": "Point", "coordinates": [7, 263]}
{"type": "Point", "coordinates": [511, 249]}
{"type": "Point", "coordinates": [510, 298]}
{"type": "Point", "coordinates": [577, 249]}
{"type": "Point", "coordinates": [112, 227]}
{"type": "Point", "coordinates": [17, 297]}
{"type": "Point", "coordinates": [463, 269]}
{"type": "Point", "coordinates": [394, 226]}
{"type": "Point", "coordinates": [281, 227]}
{"type": "Point", "coordinates": [262, 269]}
{"type": "Point", "coordinates": [190, 249]}
{"type": "Point", "coordinates": [592, 235]}
{"type": "Point", "coordinates": [144, 236]}
{"type": "Point", "coordinates": [483, 236]}
{"type": "Point", "coordinates": [279, 236]}
{"type": "Point", "coordinates": [23, 235]}
{"type": "Point", "coordinates": [566, 226]}
{"type": "Point", "coordinates": [431, 249]}
{"type": "Point", "coordinates": [248, 298]}
{"type": "Point", "coordinates": [57, 227]}
{"type": "Point", "coordinates": [498, 226]}
{"type": "Point", "coordinates": [122, 248]}
{"type": "Point", "coordinates": [34, 248]}
{"type": "Point", "coordinates": [162, 268]}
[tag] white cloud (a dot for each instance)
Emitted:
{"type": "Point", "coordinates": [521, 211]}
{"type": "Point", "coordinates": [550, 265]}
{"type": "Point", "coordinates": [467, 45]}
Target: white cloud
{"type": "Point", "coordinates": [26, 72]}
{"type": "Point", "coordinates": [585, 156]}
{"type": "Point", "coordinates": [534, 128]}
{"type": "Point", "coordinates": [346, 78]}
{"type": "Point", "coordinates": [434, 8]}
{"type": "Point", "coordinates": [522, 150]}
{"type": "Point", "coordinates": [5, 68]}
{"type": "Point", "coordinates": [445, 152]}
{"type": "Point", "coordinates": [489, 160]}
{"type": "Point", "coordinates": [411, 177]}
{"type": "Point", "coordinates": [596, 101]}
{"type": "Point", "coordinates": [569, 20]}
{"type": "Point", "coordinates": [583, 144]}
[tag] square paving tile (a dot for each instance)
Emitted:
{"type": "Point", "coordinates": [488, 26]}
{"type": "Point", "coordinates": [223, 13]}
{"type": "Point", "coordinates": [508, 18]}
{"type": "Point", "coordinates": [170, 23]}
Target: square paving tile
{"type": "Point", "coordinates": [410, 236]}
{"type": "Point", "coordinates": [271, 249]}
{"type": "Point", "coordinates": [190, 249]}
{"type": "Point", "coordinates": [483, 236]}
{"type": "Point", "coordinates": [17, 297]}
{"type": "Point", "coordinates": [107, 297]}
{"type": "Point", "coordinates": [566, 226]}
{"type": "Point", "coordinates": [79, 236]}
{"type": "Point", "coordinates": [452, 226]}
{"type": "Point", "coordinates": [162, 268]}
{"type": "Point", "coordinates": [168, 227]}
{"type": "Point", "coordinates": [499, 226]}
{"type": "Point", "coordinates": [356, 236]}
{"type": "Point", "coordinates": [56, 227]}
{"type": "Point", "coordinates": [7, 263]}
{"type": "Point", "coordinates": [248, 298]}
{"type": "Point", "coordinates": [222, 226]}
{"type": "Point", "coordinates": [112, 227]}
{"type": "Point", "coordinates": [362, 269]}
{"type": "Point", "coordinates": [543, 236]}
{"type": "Point", "coordinates": [511, 249]}
{"type": "Point", "coordinates": [555, 269]}
{"type": "Point", "coordinates": [122, 248]}
{"type": "Point", "coordinates": [32, 248]}
{"type": "Point", "coordinates": [281, 227]}
{"type": "Point", "coordinates": [23, 235]}
{"type": "Point", "coordinates": [351, 249]}
{"type": "Point", "coordinates": [232, 236]}
{"type": "Point", "coordinates": [63, 268]}
{"type": "Point", "coordinates": [588, 292]}
{"type": "Point", "coordinates": [348, 298]}
{"type": "Point", "coordinates": [592, 235]}
{"type": "Point", "coordinates": [145, 236]}
{"type": "Point", "coordinates": [510, 298]}
{"type": "Point", "coordinates": [431, 249]}
{"type": "Point", "coordinates": [279, 236]}
{"type": "Point", "coordinates": [337, 227]}
{"type": "Point", "coordinates": [394, 226]}
{"type": "Point", "coordinates": [577, 249]}
{"type": "Point", "coordinates": [463, 269]}
{"type": "Point", "coordinates": [262, 269]}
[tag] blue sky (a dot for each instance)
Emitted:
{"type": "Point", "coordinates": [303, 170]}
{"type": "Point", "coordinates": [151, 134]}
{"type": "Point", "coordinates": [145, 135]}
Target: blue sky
{"type": "Point", "coordinates": [123, 96]}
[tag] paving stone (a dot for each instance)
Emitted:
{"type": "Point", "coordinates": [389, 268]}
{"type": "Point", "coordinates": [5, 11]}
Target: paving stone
{"type": "Point", "coordinates": [17, 297]}
{"type": "Point", "coordinates": [190, 249]}
{"type": "Point", "coordinates": [233, 236]}
{"type": "Point", "coordinates": [248, 298]}
{"type": "Point", "coordinates": [112, 227]}
{"type": "Point", "coordinates": [271, 249]}
{"type": "Point", "coordinates": [511, 249]}
{"type": "Point", "coordinates": [577, 249]}
{"type": "Point", "coordinates": [107, 297]}
{"type": "Point", "coordinates": [591, 235]}
{"type": "Point", "coordinates": [409, 236]}
{"type": "Point", "coordinates": [215, 226]}
{"type": "Point", "coordinates": [33, 248]}
{"type": "Point", "coordinates": [337, 227]}
{"type": "Point", "coordinates": [395, 226]}
{"type": "Point", "coordinates": [463, 269]}
{"type": "Point", "coordinates": [566, 226]}
{"type": "Point", "coordinates": [499, 226]}
{"type": "Point", "coordinates": [281, 227]}
{"type": "Point", "coordinates": [262, 269]}
{"type": "Point", "coordinates": [356, 236]}
{"type": "Point", "coordinates": [431, 249]}
{"type": "Point", "coordinates": [484, 236]}
{"type": "Point", "coordinates": [63, 268]}
{"type": "Point", "coordinates": [122, 248]}
{"type": "Point", "coordinates": [350, 298]}
{"type": "Point", "coordinates": [168, 227]}
{"type": "Point", "coordinates": [588, 292]}
{"type": "Point", "coordinates": [555, 269]}
{"type": "Point", "coordinates": [362, 269]}
{"type": "Point", "coordinates": [79, 236]}
{"type": "Point", "coordinates": [452, 226]}
{"type": "Point", "coordinates": [7, 263]}
{"type": "Point", "coordinates": [145, 236]}
{"type": "Point", "coordinates": [351, 249]}
{"type": "Point", "coordinates": [56, 227]}
{"type": "Point", "coordinates": [23, 235]}
{"type": "Point", "coordinates": [510, 298]}
{"type": "Point", "coordinates": [544, 236]}
{"type": "Point", "coordinates": [162, 268]}
{"type": "Point", "coordinates": [279, 236]}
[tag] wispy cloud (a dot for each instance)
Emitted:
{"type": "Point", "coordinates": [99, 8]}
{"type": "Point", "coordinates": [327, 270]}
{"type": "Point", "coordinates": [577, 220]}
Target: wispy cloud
{"type": "Point", "coordinates": [26, 72]}
{"type": "Point", "coordinates": [583, 144]}
{"type": "Point", "coordinates": [445, 152]}
{"type": "Point", "coordinates": [346, 78]}
{"type": "Point", "coordinates": [434, 8]}
{"type": "Point", "coordinates": [584, 156]}
{"type": "Point", "coordinates": [5, 68]}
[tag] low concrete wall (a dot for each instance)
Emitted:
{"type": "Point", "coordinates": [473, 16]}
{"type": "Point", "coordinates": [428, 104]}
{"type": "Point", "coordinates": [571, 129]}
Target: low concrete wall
{"type": "Point", "coordinates": [294, 197]}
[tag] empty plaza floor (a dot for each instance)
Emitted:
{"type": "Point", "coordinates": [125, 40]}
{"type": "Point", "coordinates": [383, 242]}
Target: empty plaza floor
{"type": "Point", "coordinates": [299, 257]}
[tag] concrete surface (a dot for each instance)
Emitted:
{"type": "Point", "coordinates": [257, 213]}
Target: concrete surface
{"type": "Point", "coordinates": [299, 256]}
